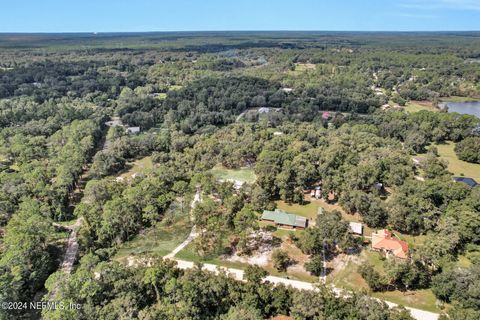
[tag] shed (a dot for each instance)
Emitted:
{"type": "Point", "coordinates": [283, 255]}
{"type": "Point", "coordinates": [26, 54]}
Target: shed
{"type": "Point", "coordinates": [356, 227]}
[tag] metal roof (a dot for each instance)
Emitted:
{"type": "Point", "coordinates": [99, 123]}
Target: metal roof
{"type": "Point", "coordinates": [282, 217]}
{"type": "Point", "coordinates": [356, 227]}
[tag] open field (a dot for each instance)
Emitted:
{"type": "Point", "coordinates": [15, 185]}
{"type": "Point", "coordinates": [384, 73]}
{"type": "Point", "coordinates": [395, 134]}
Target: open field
{"type": "Point", "coordinates": [455, 165]}
{"type": "Point", "coordinates": [309, 210]}
{"type": "Point", "coordinates": [160, 239]}
{"type": "Point", "coordinates": [245, 175]}
{"type": "Point", "coordinates": [416, 106]}
{"type": "Point", "coordinates": [138, 166]}
{"type": "Point", "coordinates": [422, 299]}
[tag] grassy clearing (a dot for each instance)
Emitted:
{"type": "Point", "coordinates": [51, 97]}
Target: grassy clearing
{"type": "Point", "coordinates": [455, 165]}
{"type": "Point", "coordinates": [309, 210]}
{"type": "Point", "coordinates": [175, 88]}
{"type": "Point", "coordinates": [350, 279]}
{"type": "Point", "coordinates": [302, 67]}
{"type": "Point", "coordinates": [162, 238]}
{"type": "Point", "coordinates": [463, 262]}
{"type": "Point", "coordinates": [416, 106]}
{"type": "Point", "coordinates": [188, 254]}
{"type": "Point", "coordinates": [137, 167]}
{"type": "Point", "coordinates": [420, 299]}
{"type": "Point", "coordinates": [245, 175]}
{"type": "Point", "coordinates": [458, 99]}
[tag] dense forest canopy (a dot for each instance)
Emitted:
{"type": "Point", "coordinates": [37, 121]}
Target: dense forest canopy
{"type": "Point", "coordinates": [299, 110]}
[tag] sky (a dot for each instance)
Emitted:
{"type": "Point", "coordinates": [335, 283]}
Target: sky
{"type": "Point", "coordinates": [214, 15]}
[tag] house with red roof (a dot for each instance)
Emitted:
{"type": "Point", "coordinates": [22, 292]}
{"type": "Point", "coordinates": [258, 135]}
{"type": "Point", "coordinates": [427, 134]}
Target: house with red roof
{"type": "Point", "coordinates": [384, 241]}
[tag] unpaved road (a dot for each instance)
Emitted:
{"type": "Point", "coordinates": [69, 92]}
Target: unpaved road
{"type": "Point", "coordinates": [238, 275]}
{"type": "Point", "coordinates": [193, 234]}
{"type": "Point", "coordinates": [72, 247]}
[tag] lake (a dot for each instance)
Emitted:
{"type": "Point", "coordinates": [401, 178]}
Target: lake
{"type": "Point", "coordinates": [470, 107]}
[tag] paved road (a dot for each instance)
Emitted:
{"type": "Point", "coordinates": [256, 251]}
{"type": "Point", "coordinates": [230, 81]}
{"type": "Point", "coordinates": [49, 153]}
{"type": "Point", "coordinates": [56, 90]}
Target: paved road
{"type": "Point", "coordinates": [238, 275]}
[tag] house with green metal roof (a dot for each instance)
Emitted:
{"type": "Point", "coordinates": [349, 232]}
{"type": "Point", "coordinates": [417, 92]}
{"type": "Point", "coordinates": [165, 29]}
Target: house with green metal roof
{"type": "Point", "coordinates": [284, 219]}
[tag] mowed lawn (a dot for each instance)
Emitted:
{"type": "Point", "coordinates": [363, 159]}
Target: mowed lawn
{"type": "Point", "coordinates": [455, 165]}
{"type": "Point", "coordinates": [160, 239]}
{"type": "Point", "coordinates": [245, 175]}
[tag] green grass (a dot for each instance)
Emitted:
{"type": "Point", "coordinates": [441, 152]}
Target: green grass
{"type": "Point", "coordinates": [188, 254]}
{"type": "Point", "coordinates": [175, 88]}
{"type": "Point", "coordinates": [138, 166]}
{"type": "Point", "coordinates": [309, 210]}
{"type": "Point", "coordinates": [421, 299]}
{"type": "Point", "coordinates": [243, 175]}
{"type": "Point", "coordinates": [160, 239]}
{"type": "Point", "coordinates": [458, 99]}
{"type": "Point", "coordinates": [455, 165]}
{"type": "Point", "coordinates": [463, 262]}
{"type": "Point", "coordinates": [302, 67]}
{"type": "Point", "coordinates": [350, 279]}
{"type": "Point", "coordinates": [413, 107]}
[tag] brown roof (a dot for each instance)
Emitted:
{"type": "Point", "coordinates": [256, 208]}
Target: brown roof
{"type": "Point", "coordinates": [383, 239]}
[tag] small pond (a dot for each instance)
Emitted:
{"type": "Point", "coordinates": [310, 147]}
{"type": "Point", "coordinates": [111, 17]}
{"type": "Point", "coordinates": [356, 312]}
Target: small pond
{"type": "Point", "coordinates": [468, 107]}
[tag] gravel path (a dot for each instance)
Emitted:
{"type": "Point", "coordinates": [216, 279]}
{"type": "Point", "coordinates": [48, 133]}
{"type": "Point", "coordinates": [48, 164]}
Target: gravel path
{"type": "Point", "coordinates": [72, 247]}
{"type": "Point", "coordinates": [193, 234]}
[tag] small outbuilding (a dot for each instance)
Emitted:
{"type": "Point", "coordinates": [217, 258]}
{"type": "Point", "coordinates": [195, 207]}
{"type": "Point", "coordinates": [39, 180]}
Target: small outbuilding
{"type": "Point", "coordinates": [285, 220]}
{"type": "Point", "coordinates": [356, 228]}
{"type": "Point", "coordinates": [133, 130]}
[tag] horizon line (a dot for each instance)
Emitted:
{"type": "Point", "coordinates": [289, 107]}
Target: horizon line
{"type": "Point", "coordinates": [226, 31]}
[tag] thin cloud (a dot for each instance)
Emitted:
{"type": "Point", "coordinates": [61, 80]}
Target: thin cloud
{"type": "Point", "coordinates": [414, 15]}
{"type": "Point", "coordinates": [472, 5]}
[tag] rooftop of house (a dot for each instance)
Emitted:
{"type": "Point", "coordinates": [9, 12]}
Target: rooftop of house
{"type": "Point", "coordinates": [383, 239]}
{"type": "Point", "coordinates": [284, 218]}
{"type": "Point", "coordinates": [468, 181]}
{"type": "Point", "coordinates": [133, 129]}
